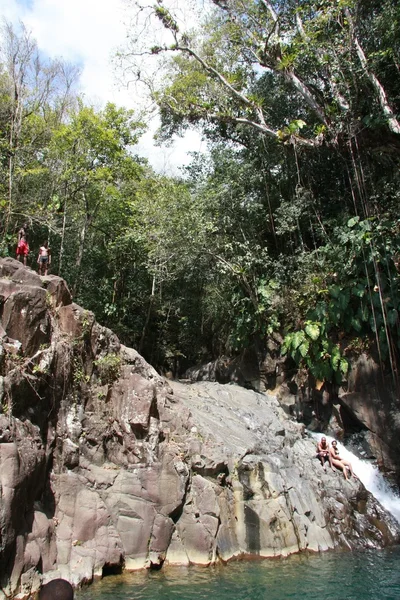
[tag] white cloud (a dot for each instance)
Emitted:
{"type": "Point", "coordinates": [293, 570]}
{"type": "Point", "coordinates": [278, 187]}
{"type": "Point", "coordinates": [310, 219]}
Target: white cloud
{"type": "Point", "coordinates": [88, 28]}
{"type": "Point", "coordinates": [87, 32]}
{"type": "Point", "coordinates": [168, 160]}
{"type": "Point", "coordinates": [11, 10]}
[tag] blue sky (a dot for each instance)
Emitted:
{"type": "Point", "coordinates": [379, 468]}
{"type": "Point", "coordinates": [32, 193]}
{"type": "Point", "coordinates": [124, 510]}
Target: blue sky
{"type": "Point", "coordinates": [25, 3]}
{"type": "Point", "coordinates": [87, 32]}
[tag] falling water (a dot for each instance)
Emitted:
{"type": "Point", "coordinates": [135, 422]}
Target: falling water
{"type": "Point", "coordinates": [371, 477]}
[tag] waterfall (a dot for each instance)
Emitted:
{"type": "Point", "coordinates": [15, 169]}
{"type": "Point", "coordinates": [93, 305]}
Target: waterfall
{"type": "Point", "coordinates": [370, 476]}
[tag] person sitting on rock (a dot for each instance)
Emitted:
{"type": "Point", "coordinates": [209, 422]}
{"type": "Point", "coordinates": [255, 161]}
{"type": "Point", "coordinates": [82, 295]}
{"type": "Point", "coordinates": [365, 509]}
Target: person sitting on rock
{"type": "Point", "coordinates": [23, 246]}
{"type": "Point", "coordinates": [323, 452]}
{"type": "Point", "coordinates": [57, 589]}
{"type": "Point", "coordinates": [339, 462]}
{"type": "Point", "coordinates": [44, 258]}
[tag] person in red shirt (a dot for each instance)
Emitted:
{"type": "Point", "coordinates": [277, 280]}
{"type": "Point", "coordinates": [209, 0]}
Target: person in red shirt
{"type": "Point", "coordinates": [23, 246]}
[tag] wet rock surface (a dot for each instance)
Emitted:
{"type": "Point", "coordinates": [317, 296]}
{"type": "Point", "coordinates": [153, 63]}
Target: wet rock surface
{"type": "Point", "coordinates": [105, 466]}
{"type": "Point", "coordinates": [374, 408]}
{"type": "Point", "coordinates": [366, 406]}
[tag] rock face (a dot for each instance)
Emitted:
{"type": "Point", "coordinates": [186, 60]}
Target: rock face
{"type": "Point", "coordinates": [367, 404]}
{"type": "Point", "coordinates": [105, 466]}
{"type": "Point", "coordinates": [374, 408]}
{"type": "Point", "coordinates": [259, 367]}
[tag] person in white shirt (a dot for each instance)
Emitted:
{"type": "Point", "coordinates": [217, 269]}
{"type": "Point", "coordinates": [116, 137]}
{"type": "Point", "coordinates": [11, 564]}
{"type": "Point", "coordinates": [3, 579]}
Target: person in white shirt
{"type": "Point", "coordinates": [44, 258]}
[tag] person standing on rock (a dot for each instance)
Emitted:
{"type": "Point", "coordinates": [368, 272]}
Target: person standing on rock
{"type": "Point", "coordinates": [23, 246]}
{"type": "Point", "coordinates": [57, 589]}
{"type": "Point", "coordinates": [339, 462]}
{"type": "Point", "coordinates": [323, 452]}
{"type": "Point", "coordinates": [44, 258]}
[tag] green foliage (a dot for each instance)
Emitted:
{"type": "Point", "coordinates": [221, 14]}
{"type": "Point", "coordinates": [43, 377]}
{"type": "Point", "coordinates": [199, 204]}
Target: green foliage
{"type": "Point", "coordinates": [311, 349]}
{"type": "Point", "coordinates": [165, 17]}
{"type": "Point", "coordinates": [324, 59]}
{"type": "Point", "coordinates": [38, 370]}
{"type": "Point", "coordinates": [289, 225]}
{"type": "Point", "coordinates": [79, 375]}
{"type": "Point", "coordinates": [109, 368]}
{"type": "Point", "coordinates": [363, 301]}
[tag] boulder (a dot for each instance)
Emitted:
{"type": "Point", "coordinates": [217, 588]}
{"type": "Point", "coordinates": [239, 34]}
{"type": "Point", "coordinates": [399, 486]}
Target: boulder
{"type": "Point", "coordinates": [59, 294]}
{"type": "Point", "coordinates": [74, 321]}
{"type": "Point", "coordinates": [7, 287]}
{"type": "Point", "coordinates": [133, 399]}
{"type": "Point", "coordinates": [8, 266]}
{"type": "Point", "coordinates": [368, 403]}
{"type": "Point", "coordinates": [163, 528]}
{"type": "Point", "coordinates": [130, 356]}
{"type": "Point", "coordinates": [25, 276]}
{"type": "Point", "coordinates": [104, 342]}
{"type": "Point", "coordinates": [260, 367]}
{"type": "Point", "coordinates": [25, 318]}
{"type": "Point", "coordinates": [105, 465]}
{"type": "Point", "coordinates": [21, 482]}
{"type": "Point", "coordinates": [85, 536]}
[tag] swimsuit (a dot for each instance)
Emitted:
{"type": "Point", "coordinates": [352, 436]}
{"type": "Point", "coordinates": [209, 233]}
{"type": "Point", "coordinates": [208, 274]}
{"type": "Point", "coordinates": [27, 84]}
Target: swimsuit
{"type": "Point", "coordinates": [22, 248]}
{"type": "Point", "coordinates": [44, 254]}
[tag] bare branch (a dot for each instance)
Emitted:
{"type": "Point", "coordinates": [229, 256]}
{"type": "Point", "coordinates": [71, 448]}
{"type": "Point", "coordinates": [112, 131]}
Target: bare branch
{"type": "Point", "coordinates": [393, 123]}
{"type": "Point", "coordinates": [289, 75]}
{"type": "Point", "coordinates": [271, 10]}
{"type": "Point", "coordinates": [216, 74]}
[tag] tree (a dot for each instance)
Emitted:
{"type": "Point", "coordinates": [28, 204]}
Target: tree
{"type": "Point", "coordinates": [92, 158]}
{"type": "Point", "coordinates": [35, 95]}
{"type": "Point", "coordinates": [316, 52]}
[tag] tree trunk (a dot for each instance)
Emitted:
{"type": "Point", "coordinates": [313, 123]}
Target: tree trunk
{"type": "Point", "coordinates": [393, 123]}
{"type": "Point", "coordinates": [148, 315]}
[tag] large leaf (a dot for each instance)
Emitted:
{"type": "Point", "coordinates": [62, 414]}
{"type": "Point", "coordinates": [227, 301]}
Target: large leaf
{"type": "Point", "coordinates": [344, 299]}
{"type": "Point", "coordinates": [304, 348]}
{"type": "Point", "coordinates": [355, 323]}
{"type": "Point", "coordinates": [353, 221]}
{"type": "Point", "coordinates": [335, 358]}
{"type": "Point", "coordinates": [287, 343]}
{"type": "Point", "coordinates": [358, 290]}
{"type": "Point", "coordinates": [344, 366]}
{"type": "Point", "coordinates": [298, 339]}
{"type": "Point", "coordinates": [363, 312]}
{"type": "Point", "coordinates": [335, 291]}
{"type": "Point", "coordinates": [321, 371]}
{"type": "Point", "coordinates": [313, 330]}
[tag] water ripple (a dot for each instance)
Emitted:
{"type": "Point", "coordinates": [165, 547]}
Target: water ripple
{"type": "Point", "coordinates": [335, 576]}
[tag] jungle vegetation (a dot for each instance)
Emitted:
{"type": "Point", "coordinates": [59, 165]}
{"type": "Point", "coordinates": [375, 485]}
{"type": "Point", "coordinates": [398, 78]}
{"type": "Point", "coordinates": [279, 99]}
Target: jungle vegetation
{"type": "Point", "coordinates": [288, 225]}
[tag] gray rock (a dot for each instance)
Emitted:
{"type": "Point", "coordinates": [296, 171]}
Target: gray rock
{"type": "Point", "coordinates": [103, 464]}
{"type": "Point", "coordinates": [375, 407]}
{"type": "Point", "coordinates": [25, 276]}
{"type": "Point", "coordinates": [8, 266]}
{"type": "Point", "coordinates": [59, 294]}
{"type": "Point", "coordinates": [25, 318]}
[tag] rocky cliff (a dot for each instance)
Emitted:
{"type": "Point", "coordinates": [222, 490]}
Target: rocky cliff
{"type": "Point", "coordinates": [366, 406]}
{"type": "Point", "coordinates": [105, 466]}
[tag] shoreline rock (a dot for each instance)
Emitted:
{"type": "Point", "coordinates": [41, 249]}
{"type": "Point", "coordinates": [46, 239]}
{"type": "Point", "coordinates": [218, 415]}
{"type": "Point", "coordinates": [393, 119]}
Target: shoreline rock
{"type": "Point", "coordinates": [105, 466]}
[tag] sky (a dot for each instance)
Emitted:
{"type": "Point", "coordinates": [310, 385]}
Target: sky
{"type": "Point", "coordinates": [88, 32]}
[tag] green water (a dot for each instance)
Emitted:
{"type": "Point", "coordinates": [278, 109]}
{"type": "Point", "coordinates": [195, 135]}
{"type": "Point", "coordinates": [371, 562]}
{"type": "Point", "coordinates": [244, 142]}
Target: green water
{"type": "Point", "coordinates": [365, 575]}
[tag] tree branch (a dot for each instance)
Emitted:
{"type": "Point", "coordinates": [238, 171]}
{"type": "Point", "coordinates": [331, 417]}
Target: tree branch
{"type": "Point", "coordinates": [261, 128]}
{"type": "Point", "coordinates": [393, 123]}
{"type": "Point", "coordinates": [216, 74]}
